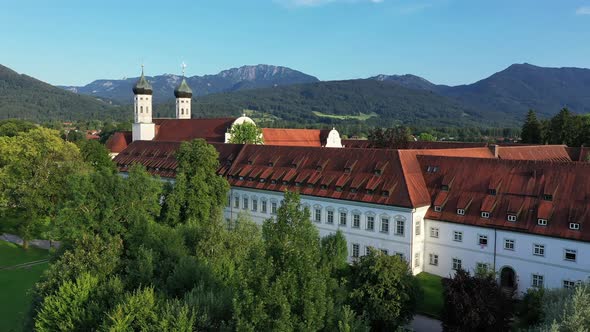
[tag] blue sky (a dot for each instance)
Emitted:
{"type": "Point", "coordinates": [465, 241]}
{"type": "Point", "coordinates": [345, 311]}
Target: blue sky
{"type": "Point", "coordinates": [73, 42]}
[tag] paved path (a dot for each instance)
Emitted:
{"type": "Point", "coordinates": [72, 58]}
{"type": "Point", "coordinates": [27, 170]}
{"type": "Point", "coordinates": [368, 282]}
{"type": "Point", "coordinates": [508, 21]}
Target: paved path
{"type": "Point", "coordinates": [425, 324]}
{"type": "Point", "coordinates": [43, 244]}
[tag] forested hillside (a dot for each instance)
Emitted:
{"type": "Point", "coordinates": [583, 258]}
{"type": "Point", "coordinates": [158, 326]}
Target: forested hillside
{"type": "Point", "coordinates": [24, 97]}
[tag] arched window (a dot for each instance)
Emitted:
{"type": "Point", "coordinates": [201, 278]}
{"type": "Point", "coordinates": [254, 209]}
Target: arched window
{"type": "Point", "coordinates": [140, 109]}
{"type": "Point", "coordinates": [147, 109]}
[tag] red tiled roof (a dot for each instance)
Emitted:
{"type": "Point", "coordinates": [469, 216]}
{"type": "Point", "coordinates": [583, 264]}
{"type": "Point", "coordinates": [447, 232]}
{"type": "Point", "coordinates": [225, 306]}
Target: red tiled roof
{"type": "Point", "coordinates": [177, 130]}
{"type": "Point", "coordinates": [119, 141]}
{"type": "Point", "coordinates": [294, 137]}
{"type": "Point", "coordinates": [331, 180]}
{"type": "Point", "coordinates": [521, 192]}
{"type": "Point", "coordinates": [419, 145]}
{"type": "Point", "coordinates": [534, 152]}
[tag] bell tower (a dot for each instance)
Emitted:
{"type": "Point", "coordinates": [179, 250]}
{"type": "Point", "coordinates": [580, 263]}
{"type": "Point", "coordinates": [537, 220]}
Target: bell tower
{"type": "Point", "coordinates": [143, 127]}
{"type": "Point", "coordinates": [183, 94]}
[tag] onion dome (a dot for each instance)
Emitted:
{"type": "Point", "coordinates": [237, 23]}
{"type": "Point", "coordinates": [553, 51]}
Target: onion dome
{"type": "Point", "coordinates": [142, 87]}
{"type": "Point", "coordinates": [183, 90]}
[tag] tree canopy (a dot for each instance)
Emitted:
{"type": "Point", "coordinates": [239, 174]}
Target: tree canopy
{"type": "Point", "coordinates": [246, 133]}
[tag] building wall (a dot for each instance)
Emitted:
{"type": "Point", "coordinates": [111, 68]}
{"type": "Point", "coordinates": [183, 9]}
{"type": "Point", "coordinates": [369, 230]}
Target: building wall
{"type": "Point", "coordinates": [553, 267]}
{"type": "Point", "coordinates": [183, 108]}
{"type": "Point", "coordinates": [391, 241]}
{"type": "Point", "coordinates": [143, 131]}
{"type": "Point", "coordinates": [142, 109]}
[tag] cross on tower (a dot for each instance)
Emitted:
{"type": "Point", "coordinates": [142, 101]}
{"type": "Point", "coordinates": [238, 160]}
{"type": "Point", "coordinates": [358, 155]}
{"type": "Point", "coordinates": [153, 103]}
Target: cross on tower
{"type": "Point", "coordinates": [183, 65]}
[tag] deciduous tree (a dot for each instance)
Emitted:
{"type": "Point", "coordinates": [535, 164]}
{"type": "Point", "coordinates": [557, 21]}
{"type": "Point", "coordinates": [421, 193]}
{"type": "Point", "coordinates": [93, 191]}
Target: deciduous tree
{"type": "Point", "coordinates": [246, 133]}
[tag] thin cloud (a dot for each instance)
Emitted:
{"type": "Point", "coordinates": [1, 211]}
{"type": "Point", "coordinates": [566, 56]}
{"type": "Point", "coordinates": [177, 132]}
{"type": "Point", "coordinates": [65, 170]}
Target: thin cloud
{"type": "Point", "coordinates": [317, 3]}
{"type": "Point", "coordinates": [583, 10]}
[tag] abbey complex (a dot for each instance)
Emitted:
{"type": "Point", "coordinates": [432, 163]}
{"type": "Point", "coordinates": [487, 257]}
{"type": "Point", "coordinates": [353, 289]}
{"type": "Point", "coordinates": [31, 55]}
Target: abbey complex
{"type": "Point", "coordinates": [523, 211]}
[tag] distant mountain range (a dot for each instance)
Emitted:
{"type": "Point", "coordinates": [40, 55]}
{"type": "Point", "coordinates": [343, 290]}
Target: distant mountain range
{"type": "Point", "coordinates": [282, 94]}
{"type": "Point", "coordinates": [235, 79]}
{"type": "Point", "coordinates": [25, 97]}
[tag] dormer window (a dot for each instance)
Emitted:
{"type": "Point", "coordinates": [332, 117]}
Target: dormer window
{"type": "Point", "coordinates": [353, 190]}
{"type": "Point", "coordinates": [547, 197]}
{"type": "Point", "coordinates": [285, 183]}
{"type": "Point", "coordinates": [542, 222]}
{"type": "Point", "coordinates": [385, 193]}
{"type": "Point", "coordinates": [437, 208]}
{"type": "Point", "coordinates": [339, 189]}
{"type": "Point", "coordinates": [574, 226]}
{"type": "Point", "coordinates": [511, 217]}
{"type": "Point", "coordinates": [444, 187]}
{"type": "Point", "coordinates": [297, 184]}
{"type": "Point", "coordinates": [370, 192]}
{"type": "Point", "coordinates": [347, 170]}
{"type": "Point", "coordinates": [432, 169]}
{"type": "Point", "coordinates": [310, 185]}
{"type": "Point", "coordinates": [318, 168]}
{"type": "Point", "coordinates": [273, 181]}
{"type": "Point", "coordinates": [485, 214]}
{"type": "Point", "coordinates": [323, 186]}
{"type": "Point", "coordinates": [241, 178]}
{"type": "Point", "coordinates": [461, 212]}
{"type": "Point", "coordinates": [271, 164]}
{"type": "Point", "coordinates": [492, 192]}
{"type": "Point", "coordinates": [250, 162]}
{"type": "Point", "coordinates": [262, 180]}
{"type": "Point", "coordinates": [377, 172]}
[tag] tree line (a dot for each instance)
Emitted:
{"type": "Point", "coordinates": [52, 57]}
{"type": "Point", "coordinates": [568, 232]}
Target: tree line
{"type": "Point", "coordinates": [564, 128]}
{"type": "Point", "coordinates": [140, 254]}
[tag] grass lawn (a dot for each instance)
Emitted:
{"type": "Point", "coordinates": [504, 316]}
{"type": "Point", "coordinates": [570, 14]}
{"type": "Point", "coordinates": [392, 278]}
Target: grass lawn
{"type": "Point", "coordinates": [12, 254]}
{"type": "Point", "coordinates": [361, 116]}
{"type": "Point", "coordinates": [431, 302]}
{"type": "Point", "coordinates": [15, 284]}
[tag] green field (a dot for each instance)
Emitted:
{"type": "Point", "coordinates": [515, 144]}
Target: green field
{"type": "Point", "coordinates": [361, 116]}
{"type": "Point", "coordinates": [16, 283]}
{"type": "Point", "coordinates": [431, 302]}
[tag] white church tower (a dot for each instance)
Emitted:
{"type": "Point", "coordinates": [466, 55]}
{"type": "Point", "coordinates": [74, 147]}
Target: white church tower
{"type": "Point", "coordinates": [143, 127]}
{"type": "Point", "coordinates": [183, 94]}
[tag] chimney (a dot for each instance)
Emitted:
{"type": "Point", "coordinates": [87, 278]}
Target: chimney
{"type": "Point", "coordinates": [494, 148]}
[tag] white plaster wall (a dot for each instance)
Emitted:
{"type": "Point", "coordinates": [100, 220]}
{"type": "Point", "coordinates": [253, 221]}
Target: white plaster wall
{"type": "Point", "coordinates": [143, 131]}
{"type": "Point", "coordinates": [185, 105]}
{"type": "Point", "coordinates": [390, 241]}
{"type": "Point", "coordinates": [552, 266]}
{"type": "Point", "coordinates": [333, 140]}
{"type": "Point", "coordinates": [142, 109]}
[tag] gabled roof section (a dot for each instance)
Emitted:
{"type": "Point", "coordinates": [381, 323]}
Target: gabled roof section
{"type": "Point", "coordinates": [534, 152]}
{"type": "Point", "coordinates": [177, 130]}
{"type": "Point", "coordinates": [521, 193]}
{"type": "Point", "coordinates": [119, 141]}
{"type": "Point", "coordinates": [294, 137]}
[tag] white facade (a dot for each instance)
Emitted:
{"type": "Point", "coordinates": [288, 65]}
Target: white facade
{"type": "Point", "coordinates": [333, 140]}
{"type": "Point", "coordinates": [533, 258]}
{"type": "Point", "coordinates": [431, 246]}
{"type": "Point", "coordinates": [143, 128]}
{"type": "Point", "coordinates": [183, 108]}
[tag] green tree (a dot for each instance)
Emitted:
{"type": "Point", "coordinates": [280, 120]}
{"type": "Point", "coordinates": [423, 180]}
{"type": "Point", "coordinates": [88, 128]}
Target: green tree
{"type": "Point", "coordinates": [285, 289]}
{"type": "Point", "coordinates": [390, 138]}
{"type": "Point", "coordinates": [383, 290]}
{"type": "Point", "coordinates": [563, 128]}
{"type": "Point", "coordinates": [199, 193]}
{"type": "Point", "coordinates": [531, 129]}
{"type": "Point", "coordinates": [34, 170]}
{"type": "Point", "coordinates": [426, 137]}
{"type": "Point", "coordinates": [474, 303]}
{"type": "Point", "coordinates": [96, 155]}
{"type": "Point", "coordinates": [246, 133]}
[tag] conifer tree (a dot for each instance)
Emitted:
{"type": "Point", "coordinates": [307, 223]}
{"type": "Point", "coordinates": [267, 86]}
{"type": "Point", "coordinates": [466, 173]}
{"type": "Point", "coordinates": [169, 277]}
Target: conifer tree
{"type": "Point", "coordinates": [531, 129]}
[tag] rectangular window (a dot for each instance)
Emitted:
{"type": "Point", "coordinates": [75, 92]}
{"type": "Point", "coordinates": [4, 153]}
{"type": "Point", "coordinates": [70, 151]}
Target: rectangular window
{"type": "Point", "coordinates": [263, 207]}
{"type": "Point", "coordinates": [568, 284]}
{"type": "Point", "coordinates": [434, 232]}
{"type": "Point", "coordinates": [542, 222]}
{"type": "Point", "coordinates": [330, 217]}
{"type": "Point", "coordinates": [356, 220]}
{"type": "Point", "coordinates": [433, 259]}
{"type": "Point", "coordinates": [458, 236]}
{"type": "Point", "coordinates": [254, 204]}
{"type": "Point", "coordinates": [355, 250]}
{"type": "Point", "coordinates": [367, 250]}
{"type": "Point", "coordinates": [481, 267]}
{"type": "Point", "coordinates": [537, 281]}
{"type": "Point", "coordinates": [483, 240]}
{"type": "Point", "coordinates": [370, 223]}
{"type": "Point", "coordinates": [418, 228]}
{"type": "Point", "coordinates": [570, 255]}
{"type": "Point", "coordinates": [400, 255]}
{"type": "Point", "coordinates": [508, 244]}
{"type": "Point", "coordinates": [342, 218]}
{"type": "Point", "coordinates": [456, 264]}
{"type": "Point", "coordinates": [273, 207]}
{"type": "Point", "coordinates": [574, 226]}
{"type": "Point", "coordinates": [461, 212]}
{"type": "Point", "coordinates": [318, 215]}
{"type": "Point", "coordinates": [384, 225]}
{"type": "Point", "coordinates": [511, 217]}
{"type": "Point", "coordinates": [400, 227]}
{"type": "Point", "coordinates": [417, 259]}
{"type": "Point", "coordinates": [245, 203]}
{"type": "Point", "coordinates": [236, 202]}
{"type": "Point", "coordinates": [437, 208]}
{"type": "Point", "coordinates": [385, 252]}
{"type": "Point", "coordinates": [539, 250]}
{"type": "Point", "coordinates": [485, 215]}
